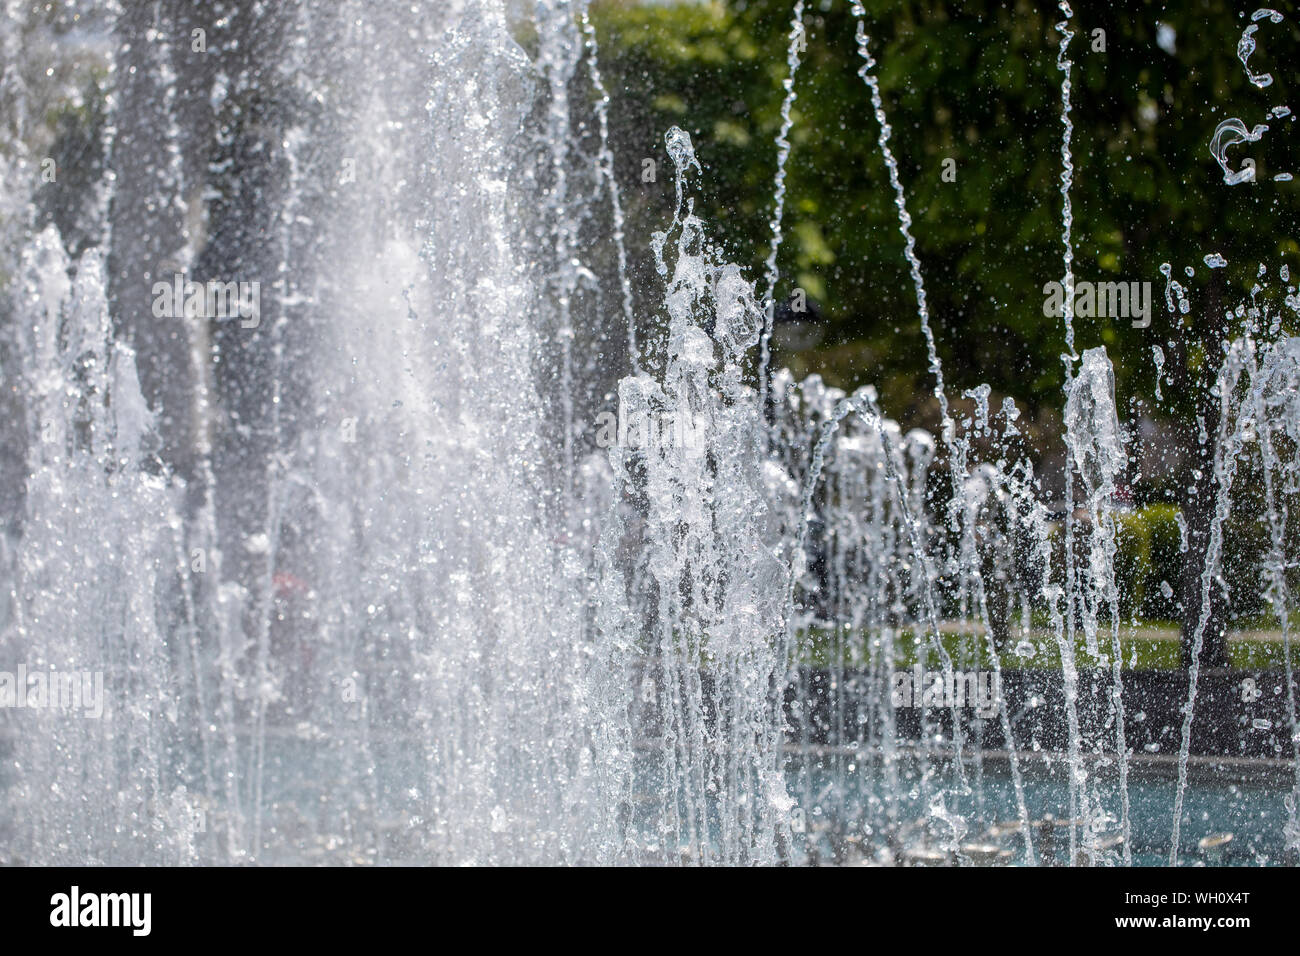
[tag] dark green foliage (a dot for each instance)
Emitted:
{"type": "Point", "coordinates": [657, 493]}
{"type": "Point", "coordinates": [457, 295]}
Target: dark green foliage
{"type": "Point", "coordinates": [976, 82]}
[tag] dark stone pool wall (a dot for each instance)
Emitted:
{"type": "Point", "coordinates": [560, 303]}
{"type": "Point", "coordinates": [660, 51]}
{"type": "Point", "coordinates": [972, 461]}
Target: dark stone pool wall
{"type": "Point", "coordinates": [1239, 713]}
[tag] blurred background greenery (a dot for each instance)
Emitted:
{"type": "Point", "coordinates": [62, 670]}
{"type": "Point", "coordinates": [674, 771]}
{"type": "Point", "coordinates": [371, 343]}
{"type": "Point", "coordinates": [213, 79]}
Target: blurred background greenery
{"type": "Point", "coordinates": [976, 82]}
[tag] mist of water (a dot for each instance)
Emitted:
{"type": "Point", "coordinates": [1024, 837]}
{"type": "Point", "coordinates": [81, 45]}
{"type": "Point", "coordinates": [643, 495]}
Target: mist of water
{"type": "Point", "coordinates": [359, 587]}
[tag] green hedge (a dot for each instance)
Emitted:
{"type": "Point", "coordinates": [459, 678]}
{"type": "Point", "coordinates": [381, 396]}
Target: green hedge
{"type": "Point", "coordinates": [1149, 555]}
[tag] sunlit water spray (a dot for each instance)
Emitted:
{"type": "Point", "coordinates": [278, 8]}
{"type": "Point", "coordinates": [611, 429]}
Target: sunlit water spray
{"type": "Point", "coordinates": [358, 587]}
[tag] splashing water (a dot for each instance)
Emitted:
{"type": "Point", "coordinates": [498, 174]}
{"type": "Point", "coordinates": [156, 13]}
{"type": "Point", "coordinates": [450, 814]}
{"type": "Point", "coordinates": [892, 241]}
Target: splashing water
{"type": "Point", "coordinates": [797, 42]}
{"type": "Point", "coordinates": [338, 576]}
{"type": "Point", "coordinates": [1232, 131]}
{"type": "Point", "coordinates": [1246, 45]}
{"type": "Point", "coordinates": [900, 202]}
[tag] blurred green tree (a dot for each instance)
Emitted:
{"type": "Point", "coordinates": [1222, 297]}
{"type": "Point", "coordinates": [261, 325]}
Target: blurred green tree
{"type": "Point", "coordinates": [977, 83]}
